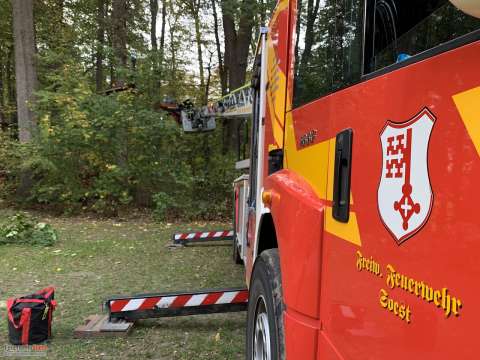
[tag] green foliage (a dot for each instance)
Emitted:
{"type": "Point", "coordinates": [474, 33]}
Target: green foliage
{"type": "Point", "coordinates": [23, 229]}
{"type": "Point", "coordinates": [107, 154]}
{"type": "Point", "coordinates": [163, 202]}
{"type": "Point", "coordinates": [11, 155]}
{"type": "Point", "coordinates": [101, 154]}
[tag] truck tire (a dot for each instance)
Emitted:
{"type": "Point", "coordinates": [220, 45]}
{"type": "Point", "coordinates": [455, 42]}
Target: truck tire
{"type": "Point", "coordinates": [265, 328]}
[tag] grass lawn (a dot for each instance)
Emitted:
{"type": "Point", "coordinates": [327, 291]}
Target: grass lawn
{"type": "Point", "coordinates": [94, 259]}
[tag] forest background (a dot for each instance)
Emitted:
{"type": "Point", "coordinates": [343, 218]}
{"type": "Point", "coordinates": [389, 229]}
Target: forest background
{"type": "Point", "coordinates": [71, 142]}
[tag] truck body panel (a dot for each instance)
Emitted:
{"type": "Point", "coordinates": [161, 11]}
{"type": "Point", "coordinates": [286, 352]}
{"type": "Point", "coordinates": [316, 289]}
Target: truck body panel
{"type": "Point", "coordinates": [398, 278]}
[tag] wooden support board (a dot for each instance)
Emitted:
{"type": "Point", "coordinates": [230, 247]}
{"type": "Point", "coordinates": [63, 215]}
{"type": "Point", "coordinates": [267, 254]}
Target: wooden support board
{"type": "Point", "coordinates": [100, 326]}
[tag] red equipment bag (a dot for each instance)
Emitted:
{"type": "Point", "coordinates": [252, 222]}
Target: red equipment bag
{"type": "Point", "coordinates": [30, 317]}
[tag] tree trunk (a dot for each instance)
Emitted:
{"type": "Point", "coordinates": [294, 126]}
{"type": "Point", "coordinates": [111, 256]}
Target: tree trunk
{"type": "Point", "coordinates": [25, 67]}
{"type": "Point", "coordinates": [172, 63]}
{"type": "Point", "coordinates": [193, 8]}
{"type": "Point", "coordinates": [2, 91]}
{"type": "Point", "coordinates": [4, 82]}
{"type": "Point", "coordinates": [230, 40]}
{"type": "Point", "coordinates": [153, 23]}
{"type": "Point", "coordinates": [237, 45]}
{"type": "Point", "coordinates": [198, 39]}
{"type": "Point", "coordinates": [297, 40]}
{"type": "Point", "coordinates": [209, 76]}
{"type": "Point", "coordinates": [110, 57]}
{"type": "Point", "coordinates": [119, 38]}
{"type": "Point", "coordinates": [223, 79]}
{"type": "Point", "coordinates": [99, 73]}
{"type": "Point", "coordinates": [312, 11]}
{"type": "Point", "coordinates": [237, 78]}
{"type": "Point", "coordinates": [10, 91]}
{"type": "Point", "coordinates": [162, 34]}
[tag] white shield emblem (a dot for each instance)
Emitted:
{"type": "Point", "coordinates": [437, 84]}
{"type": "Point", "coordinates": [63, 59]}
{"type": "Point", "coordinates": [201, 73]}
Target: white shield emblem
{"type": "Point", "coordinates": [405, 196]}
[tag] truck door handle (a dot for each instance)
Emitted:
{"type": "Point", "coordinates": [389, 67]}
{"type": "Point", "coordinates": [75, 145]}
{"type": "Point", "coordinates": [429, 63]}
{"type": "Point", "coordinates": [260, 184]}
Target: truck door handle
{"type": "Point", "coordinates": [342, 175]}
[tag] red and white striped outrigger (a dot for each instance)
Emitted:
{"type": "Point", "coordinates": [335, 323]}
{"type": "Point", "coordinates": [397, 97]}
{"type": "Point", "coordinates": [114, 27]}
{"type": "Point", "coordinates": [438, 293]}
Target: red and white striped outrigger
{"type": "Point", "coordinates": [146, 306]}
{"type": "Point", "coordinates": [202, 236]}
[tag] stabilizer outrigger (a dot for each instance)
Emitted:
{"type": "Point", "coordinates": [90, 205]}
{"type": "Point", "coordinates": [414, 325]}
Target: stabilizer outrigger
{"type": "Point", "coordinates": [145, 306]}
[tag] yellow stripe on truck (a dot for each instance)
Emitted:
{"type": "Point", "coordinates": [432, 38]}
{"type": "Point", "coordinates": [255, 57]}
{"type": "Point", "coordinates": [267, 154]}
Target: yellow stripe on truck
{"type": "Point", "coordinates": [468, 105]}
{"type": "Point", "coordinates": [308, 163]}
{"type": "Point", "coordinates": [347, 231]}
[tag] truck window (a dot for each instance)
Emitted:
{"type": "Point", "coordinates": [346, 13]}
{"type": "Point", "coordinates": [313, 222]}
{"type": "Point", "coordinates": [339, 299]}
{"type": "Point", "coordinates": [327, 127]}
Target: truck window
{"type": "Point", "coordinates": [328, 47]}
{"type": "Point", "coordinates": [400, 29]}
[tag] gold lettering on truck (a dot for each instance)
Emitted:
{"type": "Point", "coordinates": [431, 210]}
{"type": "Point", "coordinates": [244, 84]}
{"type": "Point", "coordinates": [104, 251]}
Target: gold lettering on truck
{"type": "Point", "coordinates": [398, 309]}
{"type": "Point", "coordinates": [367, 264]}
{"type": "Point", "coordinates": [440, 298]}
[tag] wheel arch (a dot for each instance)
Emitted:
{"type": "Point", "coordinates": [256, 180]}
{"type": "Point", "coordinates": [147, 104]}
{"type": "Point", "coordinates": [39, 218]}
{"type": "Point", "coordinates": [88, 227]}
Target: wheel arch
{"type": "Point", "coordinates": [294, 224]}
{"type": "Point", "coordinates": [267, 235]}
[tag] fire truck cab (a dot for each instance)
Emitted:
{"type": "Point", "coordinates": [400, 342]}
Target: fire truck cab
{"type": "Point", "coordinates": [358, 222]}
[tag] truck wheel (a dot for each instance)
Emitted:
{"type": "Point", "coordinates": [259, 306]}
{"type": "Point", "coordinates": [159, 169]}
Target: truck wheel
{"type": "Point", "coordinates": [236, 253]}
{"type": "Point", "coordinates": [265, 330]}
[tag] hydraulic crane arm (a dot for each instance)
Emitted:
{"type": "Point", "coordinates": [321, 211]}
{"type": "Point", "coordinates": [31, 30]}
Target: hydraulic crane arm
{"type": "Point", "coordinates": [236, 104]}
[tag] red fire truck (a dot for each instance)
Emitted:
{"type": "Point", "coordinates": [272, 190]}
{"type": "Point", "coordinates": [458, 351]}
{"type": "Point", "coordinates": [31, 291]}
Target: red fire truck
{"type": "Point", "coordinates": [358, 223]}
